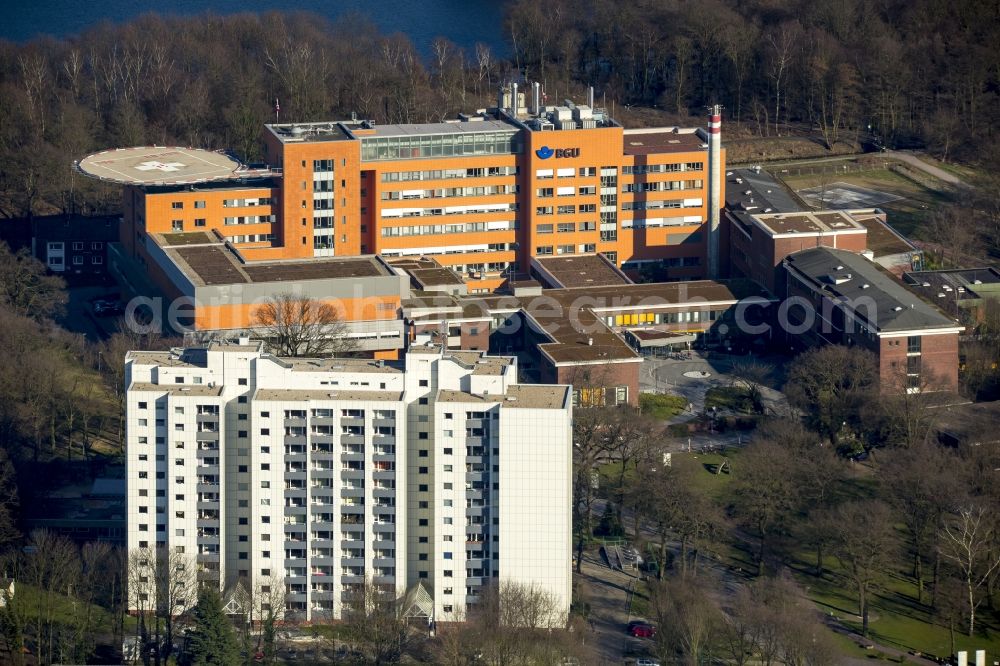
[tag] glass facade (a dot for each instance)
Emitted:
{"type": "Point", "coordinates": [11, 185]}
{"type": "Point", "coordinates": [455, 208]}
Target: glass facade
{"type": "Point", "coordinates": [439, 145]}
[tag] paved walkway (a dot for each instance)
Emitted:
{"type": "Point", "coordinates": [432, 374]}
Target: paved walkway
{"type": "Point", "coordinates": [607, 592]}
{"type": "Point", "coordinates": [930, 169]}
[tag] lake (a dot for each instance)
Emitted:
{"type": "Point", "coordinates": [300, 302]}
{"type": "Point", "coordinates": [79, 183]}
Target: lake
{"type": "Point", "coordinates": [464, 22]}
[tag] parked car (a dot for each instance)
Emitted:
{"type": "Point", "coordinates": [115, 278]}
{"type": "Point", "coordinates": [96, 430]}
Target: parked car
{"type": "Point", "coordinates": [646, 662]}
{"type": "Point", "coordinates": [643, 630]}
{"type": "Point", "coordinates": [108, 308]}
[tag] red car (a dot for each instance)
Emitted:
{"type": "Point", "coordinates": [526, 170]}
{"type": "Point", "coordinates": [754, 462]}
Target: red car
{"type": "Point", "coordinates": [642, 630]}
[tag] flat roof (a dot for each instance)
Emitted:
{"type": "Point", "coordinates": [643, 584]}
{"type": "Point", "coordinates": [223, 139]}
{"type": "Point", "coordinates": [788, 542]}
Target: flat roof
{"type": "Point", "coordinates": [754, 192]}
{"type": "Point", "coordinates": [327, 394]}
{"type": "Point", "coordinates": [807, 223]}
{"type": "Point", "coordinates": [536, 396]}
{"type": "Point", "coordinates": [882, 239]}
{"type": "Point", "coordinates": [341, 365]}
{"type": "Point", "coordinates": [580, 270]}
{"type": "Point", "coordinates": [665, 140]}
{"type": "Point", "coordinates": [573, 318]}
{"type": "Point", "coordinates": [218, 264]}
{"type": "Point", "coordinates": [200, 390]}
{"type": "Point", "coordinates": [309, 132]}
{"type": "Point", "coordinates": [158, 165]}
{"type": "Point", "coordinates": [950, 285]}
{"type": "Point", "coordinates": [187, 238]}
{"type": "Point", "coordinates": [430, 277]}
{"type": "Point", "coordinates": [458, 127]}
{"type": "Point", "coordinates": [847, 277]}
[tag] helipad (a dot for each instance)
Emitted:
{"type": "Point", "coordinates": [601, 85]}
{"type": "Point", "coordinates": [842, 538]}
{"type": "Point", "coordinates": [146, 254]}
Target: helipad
{"type": "Point", "coordinates": [158, 165]}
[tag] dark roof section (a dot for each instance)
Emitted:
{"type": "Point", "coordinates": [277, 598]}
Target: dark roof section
{"type": "Point", "coordinates": [313, 269]}
{"type": "Point", "coordinates": [882, 239]}
{"type": "Point", "coordinates": [953, 285]}
{"type": "Point", "coordinates": [579, 270]}
{"type": "Point", "coordinates": [667, 141]}
{"type": "Point", "coordinates": [765, 192]}
{"type": "Point", "coordinates": [214, 264]}
{"type": "Point", "coordinates": [845, 277]}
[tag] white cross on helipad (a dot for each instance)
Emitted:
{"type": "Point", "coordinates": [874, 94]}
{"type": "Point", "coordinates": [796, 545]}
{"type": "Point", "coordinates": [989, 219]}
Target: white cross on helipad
{"type": "Point", "coordinates": [159, 166]}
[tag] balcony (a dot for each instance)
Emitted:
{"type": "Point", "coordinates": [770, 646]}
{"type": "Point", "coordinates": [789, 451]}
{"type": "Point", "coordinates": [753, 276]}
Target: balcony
{"type": "Point", "coordinates": [351, 439]}
{"type": "Point", "coordinates": [384, 527]}
{"type": "Point", "coordinates": [383, 492]}
{"type": "Point", "coordinates": [207, 557]}
{"type": "Point", "coordinates": [384, 562]}
{"type": "Point", "coordinates": [349, 579]}
{"type": "Point", "coordinates": [384, 475]}
{"type": "Point", "coordinates": [203, 487]}
{"type": "Point", "coordinates": [295, 421]}
{"type": "Point", "coordinates": [206, 505]}
{"type": "Point", "coordinates": [358, 456]}
{"type": "Point", "coordinates": [322, 438]}
{"type": "Point", "coordinates": [478, 442]}
{"type": "Point", "coordinates": [358, 562]}
{"type": "Point", "coordinates": [322, 560]}
{"type": "Point", "coordinates": [352, 491]}
{"type": "Point", "coordinates": [385, 510]}
{"type": "Point", "coordinates": [207, 523]}
{"type": "Point", "coordinates": [207, 452]}
{"type": "Point", "coordinates": [323, 421]}
{"type": "Point", "coordinates": [295, 440]}
{"type": "Point", "coordinates": [208, 540]}
{"type": "Point", "coordinates": [207, 436]}
{"type": "Point", "coordinates": [384, 423]}
{"type": "Point", "coordinates": [356, 421]}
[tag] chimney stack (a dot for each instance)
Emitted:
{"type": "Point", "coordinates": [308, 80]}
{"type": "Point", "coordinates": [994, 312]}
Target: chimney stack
{"type": "Point", "coordinates": [537, 97]}
{"type": "Point", "coordinates": [513, 100]}
{"type": "Point", "coordinates": [500, 98]}
{"type": "Point", "coordinates": [590, 97]}
{"type": "Point", "coordinates": [714, 189]}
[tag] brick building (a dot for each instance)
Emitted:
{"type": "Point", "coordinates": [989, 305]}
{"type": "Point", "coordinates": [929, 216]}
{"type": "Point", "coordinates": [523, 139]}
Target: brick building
{"type": "Point", "coordinates": [851, 301]}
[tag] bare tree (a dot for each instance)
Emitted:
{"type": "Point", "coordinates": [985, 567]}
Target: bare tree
{"type": "Point", "coordinates": [297, 326]}
{"type": "Point", "coordinates": [751, 376]}
{"type": "Point", "coordinates": [511, 623]}
{"type": "Point", "coordinates": [864, 546]}
{"type": "Point", "coordinates": [374, 619]}
{"type": "Point", "coordinates": [968, 544]}
{"type": "Point", "coordinates": [687, 619]}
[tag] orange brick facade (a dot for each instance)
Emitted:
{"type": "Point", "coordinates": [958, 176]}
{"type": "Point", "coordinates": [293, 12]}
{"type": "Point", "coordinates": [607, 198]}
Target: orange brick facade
{"type": "Point", "coordinates": [487, 223]}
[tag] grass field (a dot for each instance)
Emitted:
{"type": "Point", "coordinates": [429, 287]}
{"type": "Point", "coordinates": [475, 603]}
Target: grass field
{"type": "Point", "coordinates": [661, 406]}
{"type": "Point", "coordinates": [906, 215]}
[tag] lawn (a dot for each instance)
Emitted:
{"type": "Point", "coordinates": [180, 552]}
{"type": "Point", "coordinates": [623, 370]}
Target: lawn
{"type": "Point", "coordinates": [661, 406]}
{"type": "Point", "coordinates": [728, 397]}
{"type": "Point", "coordinates": [905, 215]}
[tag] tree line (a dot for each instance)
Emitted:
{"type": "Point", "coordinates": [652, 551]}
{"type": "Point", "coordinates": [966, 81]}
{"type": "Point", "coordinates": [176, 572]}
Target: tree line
{"type": "Point", "coordinates": [207, 81]}
{"type": "Point", "coordinates": [922, 71]}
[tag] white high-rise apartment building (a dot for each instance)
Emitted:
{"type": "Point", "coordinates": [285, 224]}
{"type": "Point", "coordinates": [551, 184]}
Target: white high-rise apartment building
{"type": "Point", "coordinates": [440, 470]}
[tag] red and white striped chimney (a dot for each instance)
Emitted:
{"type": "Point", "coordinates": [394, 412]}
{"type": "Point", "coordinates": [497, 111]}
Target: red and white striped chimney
{"type": "Point", "coordinates": [714, 190]}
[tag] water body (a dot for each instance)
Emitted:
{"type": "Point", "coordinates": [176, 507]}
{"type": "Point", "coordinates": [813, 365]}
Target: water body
{"type": "Point", "coordinates": [464, 22]}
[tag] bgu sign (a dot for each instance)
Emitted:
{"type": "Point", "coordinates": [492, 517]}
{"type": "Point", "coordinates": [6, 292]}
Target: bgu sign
{"type": "Point", "coordinates": [545, 152]}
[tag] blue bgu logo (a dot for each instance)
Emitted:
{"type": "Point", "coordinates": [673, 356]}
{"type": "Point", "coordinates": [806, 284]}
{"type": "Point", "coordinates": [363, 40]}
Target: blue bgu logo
{"type": "Point", "coordinates": [545, 152]}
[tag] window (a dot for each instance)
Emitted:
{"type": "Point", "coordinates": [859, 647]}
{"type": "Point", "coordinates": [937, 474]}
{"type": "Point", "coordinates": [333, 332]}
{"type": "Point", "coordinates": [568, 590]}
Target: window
{"type": "Point", "coordinates": [199, 221]}
{"type": "Point", "coordinates": [422, 401]}
{"type": "Point", "coordinates": [177, 205]}
{"type": "Point", "coordinates": [422, 470]}
{"type": "Point", "coordinates": [422, 522]}
{"type": "Point", "coordinates": [242, 381]}
{"type": "Point", "coordinates": [544, 228]}
{"type": "Point", "coordinates": [913, 344]}
{"type": "Point", "coordinates": [177, 225]}
{"type": "Point", "coordinates": [77, 245]}
{"type": "Point", "coordinates": [448, 573]}
{"type": "Point", "coordinates": [422, 453]}
{"type": "Point", "coordinates": [96, 261]}
{"type": "Point", "coordinates": [422, 557]}
{"type": "Point", "coordinates": [96, 245]}
{"type": "Point", "coordinates": [423, 382]}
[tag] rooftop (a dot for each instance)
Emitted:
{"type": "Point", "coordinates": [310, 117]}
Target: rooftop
{"type": "Point", "coordinates": [308, 132]}
{"type": "Point", "coordinates": [341, 365]}
{"type": "Point", "coordinates": [808, 223]}
{"type": "Point", "coordinates": [954, 285]}
{"type": "Point", "coordinates": [327, 394]}
{"type": "Point", "coordinates": [214, 263]}
{"type": "Point", "coordinates": [472, 126]}
{"type": "Point", "coordinates": [573, 318]}
{"type": "Point", "coordinates": [579, 270]}
{"type": "Point", "coordinates": [851, 278]}
{"type": "Point", "coordinates": [158, 165]}
{"type": "Point", "coordinates": [200, 390]}
{"type": "Point", "coordinates": [882, 239]}
{"type": "Point", "coordinates": [663, 140]}
{"type": "Point", "coordinates": [758, 192]}
{"type": "Point", "coordinates": [536, 396]}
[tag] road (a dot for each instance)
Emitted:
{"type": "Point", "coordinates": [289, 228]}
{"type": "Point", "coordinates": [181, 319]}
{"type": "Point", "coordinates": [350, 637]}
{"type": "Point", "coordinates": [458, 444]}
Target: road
{"type": "Point", "coordinates": [681, 377]}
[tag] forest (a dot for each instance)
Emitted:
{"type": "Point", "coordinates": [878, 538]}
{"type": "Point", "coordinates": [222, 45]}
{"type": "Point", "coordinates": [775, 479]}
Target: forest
{"type": "Point", "coordinates": [892, 73]}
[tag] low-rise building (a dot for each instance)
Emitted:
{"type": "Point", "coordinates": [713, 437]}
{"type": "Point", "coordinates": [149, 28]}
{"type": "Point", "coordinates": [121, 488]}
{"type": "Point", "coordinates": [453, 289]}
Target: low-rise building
{"type": "Point", "coordinates": [846, 299]}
